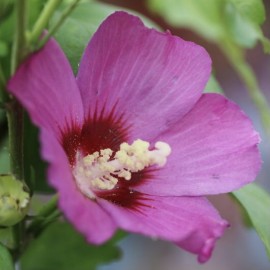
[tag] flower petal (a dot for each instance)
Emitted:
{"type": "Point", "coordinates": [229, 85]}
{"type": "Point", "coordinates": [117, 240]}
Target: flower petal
{"type": "Point", "coordinates": [46, 87]}
{"type": "Point", "coordinates": [152, 78]}
{"type": "Point", "coordinates": [86, 215]}
{"type": "Point", "coordinates": [214, 150]}
{"type": "Point", "coordinates": [190, 222]}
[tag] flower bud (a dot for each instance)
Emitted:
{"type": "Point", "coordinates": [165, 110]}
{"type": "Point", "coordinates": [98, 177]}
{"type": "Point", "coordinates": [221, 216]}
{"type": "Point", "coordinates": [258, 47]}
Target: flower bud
{"type": "Point", "coordinates": [14, 200]}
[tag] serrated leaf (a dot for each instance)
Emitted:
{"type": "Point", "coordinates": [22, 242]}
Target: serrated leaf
{"type": "Point", "coordinates": [202, 16]}
{"type": "Point", "coordinates": [256, 203]}
{"type": "Point", "coordinates": [75, 33]}
{"type": "Point", "coordinates": [252, 9]}
{"type": "Point", "coordinates": [241, 30]}
{"type": "Point", "coordinates": [236, 21]}
{"type": "Point", "coordinates": [6, 262]}
{"type": "Point", "coordinates": [61, 247]}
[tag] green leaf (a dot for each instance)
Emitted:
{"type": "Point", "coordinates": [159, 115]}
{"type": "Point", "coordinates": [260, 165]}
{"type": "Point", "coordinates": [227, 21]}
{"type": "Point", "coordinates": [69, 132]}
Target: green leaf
{"type": "Point", "coordinates": [249, 17]}
{"type": "Point", "coordinates": [252, 9]}
{"type": "Point", "coordinates": [7, 27]}
{"type": "Point", "coordinates": [3, 48]}
{"type": "Point", "coordinates": [202, 16]}
{"type": "Point", "coordinates": [6, 7]}
{"type": "Point", "coordinates": [256, 203]}
{"type": "Point", "coordinates": [7, 33]}
{"type": "Point", "coordinates": [61, 247]}
{"type": "Point", "coordinates": [244, 29]}
{"type": "Point", "coordinates": [213, 86]}
{"type": "Point", "coordinates": [241, 30]}
{"type": "Point", "coordinates": [7, 238]}
{"type": "Point", "coordinates": [6, 262]}
{"type": "Point", "coordinates": [236, 21]}
{"type": "Point", "coordinates": [75, 33]}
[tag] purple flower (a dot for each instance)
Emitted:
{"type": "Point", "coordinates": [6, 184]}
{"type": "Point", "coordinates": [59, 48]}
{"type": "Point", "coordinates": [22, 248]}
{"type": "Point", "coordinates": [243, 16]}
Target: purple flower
{"type": "Point", "coordinates": [132, 142]}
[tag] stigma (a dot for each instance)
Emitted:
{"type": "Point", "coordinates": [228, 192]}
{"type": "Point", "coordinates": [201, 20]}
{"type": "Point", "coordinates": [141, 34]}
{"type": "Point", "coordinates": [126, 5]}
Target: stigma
{"type": "Point", "coordinates": [102, 170]}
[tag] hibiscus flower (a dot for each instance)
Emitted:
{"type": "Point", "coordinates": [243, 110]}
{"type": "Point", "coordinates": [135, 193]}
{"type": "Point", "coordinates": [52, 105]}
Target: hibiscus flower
{"type": "Point", "coordinates": [132, 142]}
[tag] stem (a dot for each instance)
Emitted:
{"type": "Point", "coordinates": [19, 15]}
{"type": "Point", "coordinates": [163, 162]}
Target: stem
{"type": "Point", "coordinates": [46, 211]}
{"type": "Point", "coordinates": [48, 208]}
{"type": "Point", "coordinates": [2, 77]}
{"type": "Point", "coordinates": [60, 21]}
{"type": "Point", "coordinates": [18, 231]}
{"type": "Point", "coordinates": [15, 120]}
{"type": "Point", "coordinates": [47, 214]}
{"type": "Point", "coordinates": [246, 73]}
{"type": "Point", "coordinates": [14, 109]}
{"type": "Point", "coordinates": [3, 93]}
{"type": "Point", "coordinates": [3, 128]}
{"type": "Point", "coordinates": [15, 115]}
{"type": "Point", "coordinates": [43, 19]}
{"type": "Point", "coordinates": [19, 48]}
{"type": "Point", "coordinates": [45, 222]}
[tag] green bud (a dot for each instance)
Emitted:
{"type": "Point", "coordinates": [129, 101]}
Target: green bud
{"type": "Point", "coordinates": [14, 200]}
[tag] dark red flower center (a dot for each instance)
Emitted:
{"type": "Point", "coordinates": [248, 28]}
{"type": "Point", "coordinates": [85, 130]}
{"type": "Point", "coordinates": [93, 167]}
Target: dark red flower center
{"type": "Point", "coordinates": [102, 132]}
{"type": "Point", "coordinates": [103, 163]}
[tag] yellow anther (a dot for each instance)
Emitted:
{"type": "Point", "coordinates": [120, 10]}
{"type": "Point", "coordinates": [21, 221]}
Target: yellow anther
{"type": "Point", "coordinates": [123, 158]}
{"type": "Point", "coordinates": [125, 174]}
{"type": "Point", "coordinates": [88, 160]}
{"type": "Point", "coordinates": [106, 167]}
{"type": "Point", "coordinates": [102, 160]}
{"type": "Point", "coordinates": [106, 152]}
{"type": "Point", "coordinates": [102, 169]}
{"type": "Point", "coordinates": [140, 146]}
{"type": "Point", "coordinates": [124, 146]}
{"type": "Point", "coordinates": [113, 180]}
